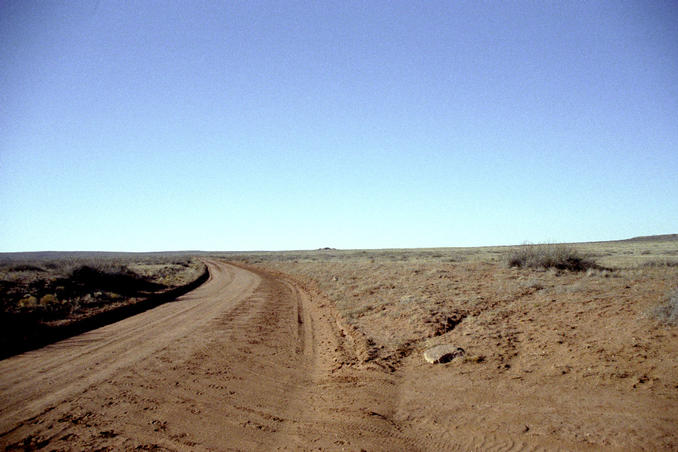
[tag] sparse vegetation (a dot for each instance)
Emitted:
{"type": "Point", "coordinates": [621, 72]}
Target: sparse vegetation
{"type": "Point", "coordinates": [667, 311]}
{"type": "Point", "coordinates": [661, 263]}
{"type": "Point", "coordinates": [41, 293]}
{"type": "Point", "coordinates": [417, 297]}
{"type": "Point", "coordinates": [528, 333]}
{"type": "Point", "coordinates": [561, 257]}
{"type": "Point", "coordinates": [71, 284]}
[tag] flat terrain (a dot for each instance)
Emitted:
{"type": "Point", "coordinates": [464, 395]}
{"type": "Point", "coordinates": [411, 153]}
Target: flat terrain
{"type": "Point", "coordinates": [323, 350]}
{"type": "Point", "coordinates": [246, 361]}
{"type": "Point", "coordinates": [579, 358]}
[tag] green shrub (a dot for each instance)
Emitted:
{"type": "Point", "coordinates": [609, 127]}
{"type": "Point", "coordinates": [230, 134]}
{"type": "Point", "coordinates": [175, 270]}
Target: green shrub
{"type": "Point", "coordinates": [48, 299]}
{"type": "Point", "coordinates": [28, 301]}
{"type": "Point", "coordinates": [561, 257]}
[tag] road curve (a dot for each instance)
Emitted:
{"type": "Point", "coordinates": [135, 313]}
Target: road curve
{"type": "Point", "coordinates": [38, 380]}
{"type": "Point", "coordinates": [251, 360]}
{"type": "Point", "coordinates": [246, 361]}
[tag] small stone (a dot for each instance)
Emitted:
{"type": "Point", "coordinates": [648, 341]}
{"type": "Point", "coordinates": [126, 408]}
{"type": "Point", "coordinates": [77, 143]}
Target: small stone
{"type": "Point", "coordinates": [443, 353]}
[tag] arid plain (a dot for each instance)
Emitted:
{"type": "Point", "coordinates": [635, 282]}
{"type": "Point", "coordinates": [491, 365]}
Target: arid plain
{"type": "Point", "coordinates": [322, 350]}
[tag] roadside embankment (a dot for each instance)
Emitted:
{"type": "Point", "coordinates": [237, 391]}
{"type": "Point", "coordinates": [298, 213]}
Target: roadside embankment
{"type": "Point", "coordinates": [27, 330]}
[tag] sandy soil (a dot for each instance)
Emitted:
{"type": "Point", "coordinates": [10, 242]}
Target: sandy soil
{"type": "Point", "coordinates": [258, 360]}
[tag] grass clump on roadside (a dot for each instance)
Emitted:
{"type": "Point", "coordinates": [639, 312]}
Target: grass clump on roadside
{"type": "Point", "coordinates": [560, 257]}
{"type": "Point", "coordinates": [667, 312]}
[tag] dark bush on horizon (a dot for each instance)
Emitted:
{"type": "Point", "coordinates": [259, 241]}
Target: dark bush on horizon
{"type": "Point", "coordinates": [560, 257]}
{"type": "Point", "coordinates": [122, 281]}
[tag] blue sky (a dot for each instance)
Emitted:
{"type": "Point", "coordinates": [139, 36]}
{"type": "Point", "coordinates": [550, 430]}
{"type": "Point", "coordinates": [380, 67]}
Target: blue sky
{"type": "Point", "coordinates": [162, 125]}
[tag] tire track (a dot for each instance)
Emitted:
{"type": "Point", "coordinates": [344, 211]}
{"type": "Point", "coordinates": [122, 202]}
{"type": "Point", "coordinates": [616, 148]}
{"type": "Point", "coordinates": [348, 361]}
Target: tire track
{"type": "Point", "coordinates": [90, 343]}
{"type": "Point", "coordinates": [35, 381]}
{"type": "Point", "coordinates": [252, 360]}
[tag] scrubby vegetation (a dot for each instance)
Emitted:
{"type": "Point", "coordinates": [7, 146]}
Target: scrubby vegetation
{"type": "Point", "coordinates": [561, 257]}
{"type": "Point", "coordinates": [409, 298]}
{"type": "Point", "coordinates": [667, 311]}
{"type": "Point", "coordinates": [42, 293]}
{"type": "Point", "coordinates": [59, 287]}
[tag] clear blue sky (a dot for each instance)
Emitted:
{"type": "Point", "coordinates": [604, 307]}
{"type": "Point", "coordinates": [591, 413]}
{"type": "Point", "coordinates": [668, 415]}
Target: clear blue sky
{"type": "Point", "coordinates": [238, 125]}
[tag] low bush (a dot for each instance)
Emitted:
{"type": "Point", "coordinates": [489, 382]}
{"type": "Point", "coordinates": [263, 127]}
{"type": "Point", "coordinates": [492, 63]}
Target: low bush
{"type": "Point", "coordinates": [666, 262]}
{"type": "Point", "coordinates": [561, 257]}
{"type": "Point", "coordinates": [48, 299]}
{"type": "Point", "coordinates": [26, 268]}
{"type": "Point", "coordinates": [122, 280]}
{"type": "Point", "coordinates": [667, 312]}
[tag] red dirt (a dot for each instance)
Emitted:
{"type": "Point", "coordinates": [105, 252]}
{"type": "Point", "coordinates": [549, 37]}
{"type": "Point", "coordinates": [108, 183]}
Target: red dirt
{"type": "Point", "coordinates": [254, 360]}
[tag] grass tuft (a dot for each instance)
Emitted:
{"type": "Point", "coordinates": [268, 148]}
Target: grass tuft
{"type": "Point", "coordinates": [667, 312]}
{"type": "Point", "coordinates": [561, 257]}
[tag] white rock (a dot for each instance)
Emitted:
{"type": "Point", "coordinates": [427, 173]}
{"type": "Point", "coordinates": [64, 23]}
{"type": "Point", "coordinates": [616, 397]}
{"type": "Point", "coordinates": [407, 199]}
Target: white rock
{"type": "Point", "coordinates": [443, 353]}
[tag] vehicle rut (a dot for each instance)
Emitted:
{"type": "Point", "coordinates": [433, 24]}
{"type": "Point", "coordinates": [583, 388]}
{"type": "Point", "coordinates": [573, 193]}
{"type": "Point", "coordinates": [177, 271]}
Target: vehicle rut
{"type": "Point", "coordinates": [251, 360]}
{"type": "Point", "coordinates": [245, 361]}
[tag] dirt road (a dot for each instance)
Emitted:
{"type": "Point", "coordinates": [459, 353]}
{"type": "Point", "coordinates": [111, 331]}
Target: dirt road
{"type": "Point", "coordinates": [251, 360]}
{"type": "Point", "coordinates": [245, 361]}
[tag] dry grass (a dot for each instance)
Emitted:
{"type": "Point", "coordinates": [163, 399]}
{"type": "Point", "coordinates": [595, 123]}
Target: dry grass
{"type": "Point", "coordinates": [403, 300]}
{"type": "Point", "coordinates": [561, 257]}
{"type": "Point", "coordinates": [667, 311]}
{"type": "Point", "coordinates": [61, 285]}
{"type": "Point", "coordinates": [45, 295]}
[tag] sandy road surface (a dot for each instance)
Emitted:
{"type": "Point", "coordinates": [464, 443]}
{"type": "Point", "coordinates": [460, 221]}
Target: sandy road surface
{"type": "Point", "coordinates": [239, 363]}
{"type": "Point", "coordinates": [251, 360]}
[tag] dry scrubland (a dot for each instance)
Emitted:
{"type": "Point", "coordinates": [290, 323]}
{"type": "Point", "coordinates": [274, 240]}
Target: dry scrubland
{"type": "Point", "coordinates": [420, 294]}
{"type": "Point", "coordinates": [44, 292]}
{"type": "Point", "coordinates": [570, 347]}
{"type": "Point", "coordinates": [585, 352]}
